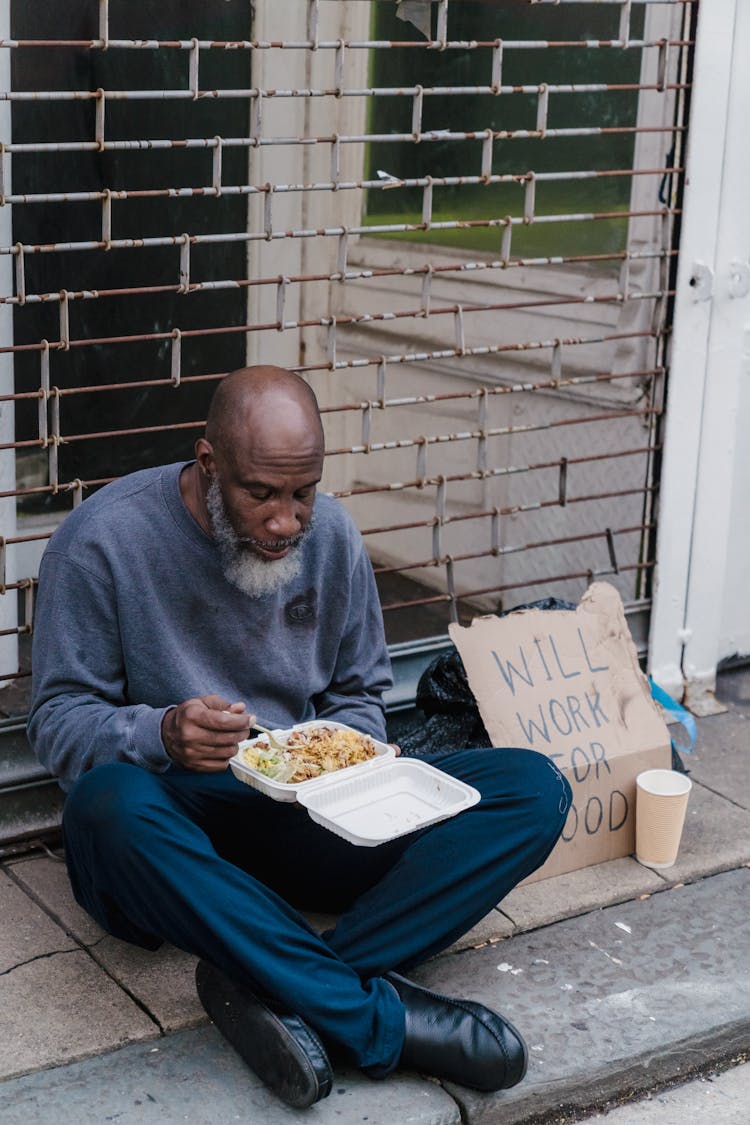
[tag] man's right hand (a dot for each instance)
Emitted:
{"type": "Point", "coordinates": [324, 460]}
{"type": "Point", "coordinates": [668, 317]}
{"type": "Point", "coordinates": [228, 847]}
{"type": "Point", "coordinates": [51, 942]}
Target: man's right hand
{"type": "Point", "coordinates": [202, 734]}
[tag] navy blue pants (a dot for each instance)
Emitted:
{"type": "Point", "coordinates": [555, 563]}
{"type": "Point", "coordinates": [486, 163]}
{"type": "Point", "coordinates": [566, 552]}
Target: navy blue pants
{"type": "Point", "coordinates": [217, 869]}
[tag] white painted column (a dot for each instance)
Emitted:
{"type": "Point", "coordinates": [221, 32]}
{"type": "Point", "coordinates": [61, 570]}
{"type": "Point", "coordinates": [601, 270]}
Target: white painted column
{"type": "Point", "coordinates": [721, 505]}
{"type": "Point", "coordinates": [689, 351]}
{"type": "Point", "coordinates": [8, 601]}
{"type": "Point", "coordinates": [302, 164]}
{"type": "Point", "coordinates": [276, 164]}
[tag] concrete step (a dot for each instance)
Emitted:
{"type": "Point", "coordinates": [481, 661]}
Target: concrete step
{"type": "Point", "coordinates": [30, 801]}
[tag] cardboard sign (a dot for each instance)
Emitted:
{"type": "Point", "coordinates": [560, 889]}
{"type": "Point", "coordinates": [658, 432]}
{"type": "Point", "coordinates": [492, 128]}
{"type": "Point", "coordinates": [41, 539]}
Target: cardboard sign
{"type": "Point", "coordinates": [567, 683]}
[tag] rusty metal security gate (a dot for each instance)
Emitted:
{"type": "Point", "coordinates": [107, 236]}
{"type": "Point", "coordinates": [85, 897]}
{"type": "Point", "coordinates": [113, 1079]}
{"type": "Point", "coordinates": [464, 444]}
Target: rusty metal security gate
{"type": "Point", "coordinates": [458, 220]}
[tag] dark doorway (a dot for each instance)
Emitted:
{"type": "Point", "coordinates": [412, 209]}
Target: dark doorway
{"type": "Point", "coordinates": [106, 363]}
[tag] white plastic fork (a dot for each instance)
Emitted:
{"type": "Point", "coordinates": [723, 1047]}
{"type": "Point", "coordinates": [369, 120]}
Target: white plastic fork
{"type": "Point", "coordinates": [272, 739]}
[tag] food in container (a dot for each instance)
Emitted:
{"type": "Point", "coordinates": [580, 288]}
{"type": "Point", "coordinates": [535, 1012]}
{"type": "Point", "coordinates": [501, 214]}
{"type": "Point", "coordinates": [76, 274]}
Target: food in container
{"type": "Point", "coordinates": [256, 763]}
{"type": "Point", "coordinates": [309, 752]}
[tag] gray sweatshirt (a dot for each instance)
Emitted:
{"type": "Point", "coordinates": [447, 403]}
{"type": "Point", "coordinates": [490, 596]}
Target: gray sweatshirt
{"type": "Point", "coordinates": [134, 615]}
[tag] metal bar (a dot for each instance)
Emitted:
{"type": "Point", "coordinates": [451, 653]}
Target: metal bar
{"type": "Point", "coordinates": [414, 400]}
{"type": "Point", "coordinates": [159, 94]}
{"type": "Point", "coordinates": [8, 461]}
{"type": "Point", "coordinates": [420, 482]}
{"type": "Point", "coordinates": [325, 232]}
{"type": "Point", "coordinates": [543, 580]}
{"type": "Point", "coordinates": [516, 548]}
{"type": "Point", "coordinates": [349, 275]}
{"type": "Point", "coordinates": [107, 195]}
{"type": "Point", "coordinates": [256, 141]}
{"type": "Point", "coordinates": [428, 182]}
{"type": "Point", "coordinates": [360, 44]}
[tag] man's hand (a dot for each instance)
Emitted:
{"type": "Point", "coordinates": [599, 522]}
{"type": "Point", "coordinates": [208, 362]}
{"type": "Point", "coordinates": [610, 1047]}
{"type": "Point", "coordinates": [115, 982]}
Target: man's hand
{"type": "Point", "coordinates": [202, 734]}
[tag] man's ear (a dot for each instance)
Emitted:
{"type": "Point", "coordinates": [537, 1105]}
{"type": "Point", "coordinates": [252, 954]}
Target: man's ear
{"type": "Point", "coordinates": [204, 455]}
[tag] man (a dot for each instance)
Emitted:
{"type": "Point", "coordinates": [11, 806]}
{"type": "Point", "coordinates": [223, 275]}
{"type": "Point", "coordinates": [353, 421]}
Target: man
{"type": "Point", "coordinates": [173, 606]}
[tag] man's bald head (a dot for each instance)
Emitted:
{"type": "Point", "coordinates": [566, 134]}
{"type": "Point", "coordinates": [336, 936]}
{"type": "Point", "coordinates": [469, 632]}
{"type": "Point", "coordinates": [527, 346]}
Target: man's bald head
{"type": "Point", "coordinates": [250, 399]}
{"type": "Point", "coordinates": [253, 483]}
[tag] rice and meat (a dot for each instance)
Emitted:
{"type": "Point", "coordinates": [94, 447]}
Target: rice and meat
{"type": "Point", "coordinates": [310, 753]}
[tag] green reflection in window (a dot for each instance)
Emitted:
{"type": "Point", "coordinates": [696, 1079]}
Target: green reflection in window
{"type": "Point", "coordinates": [612, 109]}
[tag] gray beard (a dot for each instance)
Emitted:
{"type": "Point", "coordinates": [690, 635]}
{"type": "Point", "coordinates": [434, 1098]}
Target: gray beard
{"type": "Point", "coordinates": [249, 572]}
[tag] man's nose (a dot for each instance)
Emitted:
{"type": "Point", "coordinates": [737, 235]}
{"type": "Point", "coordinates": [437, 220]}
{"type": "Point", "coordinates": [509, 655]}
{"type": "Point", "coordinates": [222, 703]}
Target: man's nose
{"type": "Point", "coordinates": [284, 521]}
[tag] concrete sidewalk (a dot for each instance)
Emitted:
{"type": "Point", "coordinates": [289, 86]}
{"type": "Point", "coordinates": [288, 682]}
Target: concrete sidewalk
{"type": "Point", "coordinates": [622, 979]}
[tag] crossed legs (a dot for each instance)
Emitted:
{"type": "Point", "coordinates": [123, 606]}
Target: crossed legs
{"type": "Point", "coordinates": [209, 865]}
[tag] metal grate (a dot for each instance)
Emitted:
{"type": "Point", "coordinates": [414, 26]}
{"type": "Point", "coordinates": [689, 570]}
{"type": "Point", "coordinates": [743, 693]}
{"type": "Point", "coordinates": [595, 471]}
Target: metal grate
{"type": "Point", "coordinates": [492, 398]}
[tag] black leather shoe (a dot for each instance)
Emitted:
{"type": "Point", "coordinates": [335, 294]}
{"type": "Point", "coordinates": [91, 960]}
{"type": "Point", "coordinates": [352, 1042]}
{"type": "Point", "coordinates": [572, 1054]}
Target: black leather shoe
{"type": "Point", "coordinates": [458, 1040]}
{"type": "Point", "coordinates": [284, 1052]}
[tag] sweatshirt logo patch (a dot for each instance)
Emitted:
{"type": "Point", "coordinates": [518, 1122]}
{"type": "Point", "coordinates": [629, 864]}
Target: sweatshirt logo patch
{"type": "Point", "coordinates": [303, 609]}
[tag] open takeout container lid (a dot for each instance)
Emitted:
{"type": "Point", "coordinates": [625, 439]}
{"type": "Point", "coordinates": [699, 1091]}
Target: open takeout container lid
{"type": "Point", "coordinates": [391, 799]}
{"type": "Point", "coordinates": [371, 802]}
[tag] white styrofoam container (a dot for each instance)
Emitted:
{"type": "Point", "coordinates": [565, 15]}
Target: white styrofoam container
{"type": "Point", "coordinates": [286, 791]}
{"type": "Point", "coordinates": [395, 797]}
{"type": "Point", "coordinates": [371, 802]}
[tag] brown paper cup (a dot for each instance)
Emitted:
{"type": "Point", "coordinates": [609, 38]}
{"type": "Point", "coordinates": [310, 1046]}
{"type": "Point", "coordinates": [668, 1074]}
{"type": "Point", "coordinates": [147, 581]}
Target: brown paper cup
{"type": "Point", "coordinates": [661, 803]}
